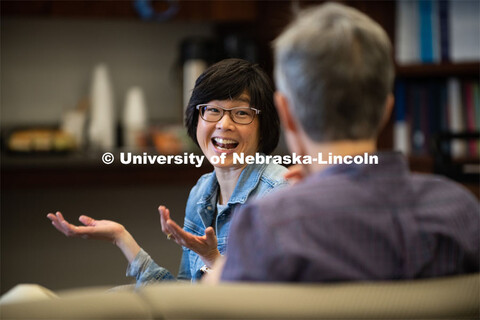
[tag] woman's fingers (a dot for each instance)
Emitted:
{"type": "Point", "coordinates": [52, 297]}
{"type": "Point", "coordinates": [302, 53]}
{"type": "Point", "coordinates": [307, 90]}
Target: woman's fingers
{"type": "Point", "coordinates": [61, 224]}
{"type": "Point", "coordinates": [163, 219]}
{"type": "Point", "coordinates": [86, 220]}
{"type": "Point", "coordinates": [210, 237]}
{"type": "Point", "coordinates": [59, 216]}
{"type": "Point", "coordinates": [179, 235]}
{"type": "Point", "coordinates": [55, 222]}
{"type": "Point", "coordinates": [172, 229]}
{"type": "Point", "coordinates": [51, 216]}
{"type": "Point", "coordinates": [55, 219]}
{"type": "Point", "coordinates": [166, 213]}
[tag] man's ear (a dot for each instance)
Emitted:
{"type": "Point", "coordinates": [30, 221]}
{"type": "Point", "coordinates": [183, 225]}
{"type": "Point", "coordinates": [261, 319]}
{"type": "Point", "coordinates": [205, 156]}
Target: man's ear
{"type": "Point", "coordinates": [389, 102]}
{"type": "Point", "coordinates": [283, 108]}
{"type": "Point", "coordinates": [293, 133]}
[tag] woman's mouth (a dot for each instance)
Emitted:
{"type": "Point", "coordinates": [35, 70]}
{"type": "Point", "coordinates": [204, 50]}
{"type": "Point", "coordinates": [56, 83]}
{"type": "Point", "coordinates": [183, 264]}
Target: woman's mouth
{"type": "Point", "coordinates": [224, 144]}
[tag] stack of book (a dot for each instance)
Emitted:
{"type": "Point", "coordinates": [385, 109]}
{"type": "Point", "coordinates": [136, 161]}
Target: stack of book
{"type": "Point", "coordinates": [433, 31]}
{"type": "Point", "coordinates": [424, 109]}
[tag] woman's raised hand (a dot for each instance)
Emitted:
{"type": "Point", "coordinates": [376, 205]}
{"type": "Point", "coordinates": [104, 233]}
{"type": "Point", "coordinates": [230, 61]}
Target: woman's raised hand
{"type": "Point", "coordinates": [205, 246]}
{"type": "Point", "coordinates": [98, 229]}
{"type": "Point", "coordinates": [92, 229]}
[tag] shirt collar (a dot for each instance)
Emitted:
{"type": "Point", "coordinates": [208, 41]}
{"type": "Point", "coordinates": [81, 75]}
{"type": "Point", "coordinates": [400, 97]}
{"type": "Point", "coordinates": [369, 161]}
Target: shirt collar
{"type": "Point", "coordinates": [247, 182]}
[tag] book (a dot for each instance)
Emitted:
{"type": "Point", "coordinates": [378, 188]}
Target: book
{"type": "Point", "coordinates": [435, 110]}
{"type": "Point", "coordinates": [444, 120]}
{"type": "Point", "coordinates": [401, 129]}
{"type": "Point", "coordinates": [469, 103]}
{"type": "Point", "coordinates": [428, 20]}
{"type": "Point", "coordinates": [407, 31]}
{"type": "Point", "coordinates": [476, 102]}
{"type": "Point", "coordinates": [443, 30]}
{"type": "Point", "coordinates": [417, 111]}
{"type": "Point", "coordinates": [464, 28]}
{"type": "Point", "coordinates": [456, 123]}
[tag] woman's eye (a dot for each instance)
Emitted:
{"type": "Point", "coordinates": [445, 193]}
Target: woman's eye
{"type": "Point", "coordinates": [212, 110]}
{"type": "Point", "coordinates": [242, 113]}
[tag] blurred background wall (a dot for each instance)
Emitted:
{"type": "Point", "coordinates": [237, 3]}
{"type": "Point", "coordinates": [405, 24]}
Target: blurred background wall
{"type": "Point", "coordinates": [47, 64]}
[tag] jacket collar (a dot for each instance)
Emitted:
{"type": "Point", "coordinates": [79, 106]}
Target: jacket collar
{"type": "Point", "coordinates": [247, 182]}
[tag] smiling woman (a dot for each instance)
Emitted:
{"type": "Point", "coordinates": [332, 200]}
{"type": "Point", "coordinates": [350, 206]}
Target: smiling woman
{"type": "Point", "coordinates": [225, 135]}
{"type": "Point", "coordinates": [230, 111]}
{"type": "Point", "coordinates": [238, 84]}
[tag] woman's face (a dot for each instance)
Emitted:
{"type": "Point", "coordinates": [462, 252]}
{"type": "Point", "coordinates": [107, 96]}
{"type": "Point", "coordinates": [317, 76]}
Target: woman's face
{"type": "Point", "coordinates": [226, 136]}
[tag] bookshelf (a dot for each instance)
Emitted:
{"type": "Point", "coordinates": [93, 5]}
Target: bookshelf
{"type": "Point", "coordinates": [437, 88]}
{"type": "Point", "coordinates": [276, 15]}
{"type": "Point", "coordinates": [439, 70]}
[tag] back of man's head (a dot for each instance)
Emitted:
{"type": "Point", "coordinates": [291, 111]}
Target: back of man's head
{"type": "Point", "coordinates": [334, 65]}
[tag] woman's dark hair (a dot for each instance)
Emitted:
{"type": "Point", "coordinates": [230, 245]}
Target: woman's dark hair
{"type": "Point", "coordinates": [228, 79]}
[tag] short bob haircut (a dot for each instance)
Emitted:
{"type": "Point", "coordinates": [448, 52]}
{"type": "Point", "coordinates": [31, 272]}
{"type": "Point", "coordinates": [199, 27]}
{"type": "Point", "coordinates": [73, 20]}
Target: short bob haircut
{"type": "Point", "coordinates": [227, 80]}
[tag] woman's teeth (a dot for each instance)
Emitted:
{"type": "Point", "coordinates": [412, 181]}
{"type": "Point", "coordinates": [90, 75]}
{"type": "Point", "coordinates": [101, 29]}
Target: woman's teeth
{"type": "Point", "coordinates": [224, 143]}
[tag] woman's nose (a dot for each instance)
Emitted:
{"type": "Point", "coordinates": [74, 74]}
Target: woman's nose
{"type": "Point", "coordinates": [226, 121]}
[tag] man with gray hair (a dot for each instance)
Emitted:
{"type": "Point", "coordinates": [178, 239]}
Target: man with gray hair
{"type": "Point", "coordinates": [334, 74]}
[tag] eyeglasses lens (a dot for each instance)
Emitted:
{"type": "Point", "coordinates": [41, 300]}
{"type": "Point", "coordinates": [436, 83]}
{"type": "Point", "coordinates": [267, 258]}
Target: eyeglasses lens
{"type": "Point", "coordinates": [238, 115]}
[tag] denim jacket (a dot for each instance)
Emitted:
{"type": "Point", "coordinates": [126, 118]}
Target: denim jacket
{"type": "Point", "coordinates": [256, 180]}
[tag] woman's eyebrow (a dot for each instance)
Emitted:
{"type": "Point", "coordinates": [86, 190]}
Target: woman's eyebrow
{"type": "Point", "coordinates": [242, 99]}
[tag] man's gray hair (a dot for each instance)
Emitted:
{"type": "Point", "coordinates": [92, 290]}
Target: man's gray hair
{"type": "Point", "coordinates": [334, 64]}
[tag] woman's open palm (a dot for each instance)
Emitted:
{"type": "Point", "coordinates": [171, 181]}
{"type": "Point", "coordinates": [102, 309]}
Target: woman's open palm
{"type": "Point", "coordinates": [91, 229]}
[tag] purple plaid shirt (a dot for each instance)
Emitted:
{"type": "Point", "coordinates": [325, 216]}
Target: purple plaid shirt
{"type": "Point", "coordinates": [357, 223]}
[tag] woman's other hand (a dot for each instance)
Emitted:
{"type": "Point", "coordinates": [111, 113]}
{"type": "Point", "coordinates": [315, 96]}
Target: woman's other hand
{"type": "Point", "coordinates": [295, 174]}
{"type": "Point", "coordinates": [98, 229]}
{"type": "Point", "coordinates": [205, 246]}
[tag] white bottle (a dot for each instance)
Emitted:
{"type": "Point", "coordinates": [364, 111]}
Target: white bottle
{"type": "Point", "coordinates": [101, 131]}
{"type": "Point", "coordinates": [135, 117]}
{"type": "Point", "coordinates": [195, 52]}
{"type": "Point", "coordinates": [192, 69]}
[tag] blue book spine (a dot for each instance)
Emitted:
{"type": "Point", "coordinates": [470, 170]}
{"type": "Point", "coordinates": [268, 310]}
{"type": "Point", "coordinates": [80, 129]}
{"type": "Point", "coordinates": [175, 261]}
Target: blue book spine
{"type": "Point", "coordinates": [444, 35]}
{"type": "Point", "coordinates": [400, 105]}
{"type": "Point", "coordinates": [416, 112]}
{"type": "Point", "coordinates": [435, 109]}
{"type": "Point", "coordinates": [426, 32]}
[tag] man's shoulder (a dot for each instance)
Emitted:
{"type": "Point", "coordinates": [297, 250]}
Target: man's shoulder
{"type": "Point", "coordinates": [289, 199]}
{"type": "Point", "coordinates": [437, 185]}
{"type": "Point", "coordinates": [331, 194]}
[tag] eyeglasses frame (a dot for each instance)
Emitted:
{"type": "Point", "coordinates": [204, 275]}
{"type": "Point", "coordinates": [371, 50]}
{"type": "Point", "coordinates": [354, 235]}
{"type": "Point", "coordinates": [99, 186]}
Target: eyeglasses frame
{"type": "Point", "coordinates": [226, 110]}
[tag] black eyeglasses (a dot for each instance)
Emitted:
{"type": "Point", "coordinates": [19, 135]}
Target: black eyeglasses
{"type": "Point", "coordinates": [240, 115]}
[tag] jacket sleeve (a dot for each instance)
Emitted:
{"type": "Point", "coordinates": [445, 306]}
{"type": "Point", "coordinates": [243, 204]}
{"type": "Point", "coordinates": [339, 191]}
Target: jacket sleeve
{"type": "Point", "coordinates": [184, 270]}
{"type": "Point", "coordinates": [145, 270]}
